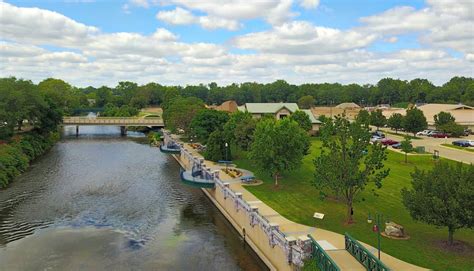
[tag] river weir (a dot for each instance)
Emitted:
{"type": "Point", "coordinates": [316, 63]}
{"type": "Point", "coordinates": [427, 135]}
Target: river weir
{"type": "Point", "coordinates": [105, 202]}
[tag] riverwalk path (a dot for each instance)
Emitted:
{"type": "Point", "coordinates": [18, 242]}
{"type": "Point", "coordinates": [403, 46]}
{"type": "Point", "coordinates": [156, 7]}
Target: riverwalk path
{"type": "Point", "coordinates": [333, 243]}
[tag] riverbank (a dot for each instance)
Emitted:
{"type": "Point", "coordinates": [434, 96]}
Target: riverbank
{"type": "Point", "coordinates": [17, 154]}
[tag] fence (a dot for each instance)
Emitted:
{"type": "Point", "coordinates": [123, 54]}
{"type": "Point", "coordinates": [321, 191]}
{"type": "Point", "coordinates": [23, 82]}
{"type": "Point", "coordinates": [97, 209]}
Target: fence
{"type": "Point", "coordinates": [323, 260]}
{"type": "Point", "coordinates": [365, 257]}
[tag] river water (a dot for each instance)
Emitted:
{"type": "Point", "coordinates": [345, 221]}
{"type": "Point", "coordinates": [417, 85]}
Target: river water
{"type": "Point", "coordinates": [105, 202]}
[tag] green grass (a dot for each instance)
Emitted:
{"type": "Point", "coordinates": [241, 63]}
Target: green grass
{"type": "Point", "coordinates": [297, 200]}
{"type": "Point", "coordinates": [458, 147]}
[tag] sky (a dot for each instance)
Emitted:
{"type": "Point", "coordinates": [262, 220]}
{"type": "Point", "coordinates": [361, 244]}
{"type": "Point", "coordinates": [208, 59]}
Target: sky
{"type": "Point", "coordinates": [179, 42]}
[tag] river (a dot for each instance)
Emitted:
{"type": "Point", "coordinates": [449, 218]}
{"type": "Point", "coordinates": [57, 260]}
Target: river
{"type": "Point", "coordinates": [105, 202]}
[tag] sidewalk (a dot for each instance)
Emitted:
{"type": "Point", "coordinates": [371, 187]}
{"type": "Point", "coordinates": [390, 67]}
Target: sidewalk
{"type": "Point", "coordinates": [333, 243]}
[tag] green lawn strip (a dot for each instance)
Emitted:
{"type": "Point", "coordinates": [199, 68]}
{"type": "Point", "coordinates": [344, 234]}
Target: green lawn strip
{"type": "Point", "coordinates": [297, 199]}
{"type": "Point", "coordinates": [458, 147]}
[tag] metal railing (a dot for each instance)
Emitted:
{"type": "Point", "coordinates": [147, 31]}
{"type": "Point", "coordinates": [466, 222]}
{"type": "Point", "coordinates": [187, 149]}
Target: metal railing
{"type": "Point", "coordinates": [323, 260]}
{"type": "Point", "coordinates": [112, 121]}
{"type": "Point", "coordinates": [363, 255]}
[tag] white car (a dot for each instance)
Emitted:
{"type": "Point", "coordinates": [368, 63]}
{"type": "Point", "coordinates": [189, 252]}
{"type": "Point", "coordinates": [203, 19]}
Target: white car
{"type": "Point", "coordinates": [374, 139]}
{"type": "Point", "coordinates": [471, 142]}
{"type": "Point", "coordinates": [424, 133]}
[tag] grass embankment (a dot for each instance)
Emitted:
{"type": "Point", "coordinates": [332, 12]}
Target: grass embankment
{"type": "Point", "coordinates": [297, 200]}
{"type": "Point", "coordinates": [16, 155]}
{"type": "Point", "coordinates": [469, 149]}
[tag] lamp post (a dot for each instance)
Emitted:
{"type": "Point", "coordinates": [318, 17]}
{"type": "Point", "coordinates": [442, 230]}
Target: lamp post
{"type": "Point", "coordinates": [376, 228]}
{"type": "Point", "coordinates": [226, 156]}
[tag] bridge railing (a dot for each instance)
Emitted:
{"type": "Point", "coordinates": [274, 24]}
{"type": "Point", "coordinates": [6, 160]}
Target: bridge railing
{"type": "Point", "coordinates": [112, 120]}
{"type": "Point", "coordinates": [363, 255]}
{"type": "Point", "coordinates": [323, 260]}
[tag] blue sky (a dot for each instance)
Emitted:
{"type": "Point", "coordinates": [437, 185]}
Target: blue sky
{"type": "Point", "coordinates": [236, 41]}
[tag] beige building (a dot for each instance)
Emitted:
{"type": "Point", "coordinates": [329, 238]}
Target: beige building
{"type": "Point", "coordinates": [463, 114]}
{"type": "Point", "coordinates": [279, 111]}
{"type": "Point", "coordinates": [227, 106]}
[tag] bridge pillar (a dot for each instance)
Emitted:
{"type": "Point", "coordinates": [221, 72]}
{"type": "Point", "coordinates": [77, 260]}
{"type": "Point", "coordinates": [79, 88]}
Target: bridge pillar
{"type": "Point", "coordinates": [77, 130]}
{"type": "Point", "coordinates": [123, 130]}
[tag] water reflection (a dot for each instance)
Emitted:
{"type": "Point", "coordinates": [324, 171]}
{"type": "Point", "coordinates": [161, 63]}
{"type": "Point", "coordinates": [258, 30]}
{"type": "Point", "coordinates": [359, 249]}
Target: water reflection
{"type": "Point", "coordinates": [102, 201]}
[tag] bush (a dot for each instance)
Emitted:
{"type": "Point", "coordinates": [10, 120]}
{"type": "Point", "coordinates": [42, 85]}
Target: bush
{"type": "Point", "coordinates": [16, 156]}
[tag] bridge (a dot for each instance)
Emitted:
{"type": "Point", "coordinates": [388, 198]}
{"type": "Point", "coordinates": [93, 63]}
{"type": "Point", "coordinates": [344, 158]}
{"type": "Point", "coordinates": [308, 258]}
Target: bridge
{"type": "Point", "coordinates": [123, 122]}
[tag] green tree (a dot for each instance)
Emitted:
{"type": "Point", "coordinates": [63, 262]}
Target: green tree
{"type": "Point", "coordinates": [406, 147]}
{"type": "Point", "coordinates": [363, 117]}
{"type": "Point", "coordinates": [244, 132]}
{"type": "Point", "coordinates": [452, 128]}
{"type": "Point", "coordinates": [230, 126]}
{"type": "Point", "coordinates": [207, 121]}
{"type": "Point", "coordinates": [179, 112]}
{"type": "Point", "coordinates": [278, 146]}
{"type": "Point", "coordinates": [306, 102]}
{"type": "Point", "coordinates": [442, 196]}
{"type": "Point", "coordinates": [302, 119]}
{"type": "Point", "coordinates": [395, 122]}
{"type": "Point", "coordinates": [443, 118]}
{"type": "Point", "coordinates": [377, 119]}
{"type": "Point", "coordinates": [216, 147]}
{"type": "Point", "coordinates": [414, 121]}
{"type": "Point", "coordinates": [344, 165]}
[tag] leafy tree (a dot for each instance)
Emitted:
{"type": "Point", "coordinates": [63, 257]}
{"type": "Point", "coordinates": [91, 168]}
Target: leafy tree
{"type": "Point", "coordinates": [414, 121]}
{"type": "Point", "coordinates": [363, 117]}
{"type": "Point", "coordinates": [452, 128]}
{"type": "Point", "coordinates": [244, 132]}
{"type": "Point", "coordinates": [302, 119]}
{"type": "Point", "coordinates": [442, 196]}
{"type": "Point", "coordinates": [406, 147]}
{"type": "Point", "coordinates": [395, 122]}
{"type": "Point", "coordinates": [345, 166]}
{"type": "Point", "coordinates": [230, 126]}
{"type": "Point", "coordinates": [216, 147]}
{"type": "Point", "coordinates": [207, 121]}
{"type": "Point", "coordinates": [179, 112]}
{"type": "Point", "coordinates": [306, 102]}
{"type": "Point", "coordinates": [278, 146]}
{"type": "Point", "coordinates": [443, 118]}
{"type": "Point", "coordinates": [377, 119]}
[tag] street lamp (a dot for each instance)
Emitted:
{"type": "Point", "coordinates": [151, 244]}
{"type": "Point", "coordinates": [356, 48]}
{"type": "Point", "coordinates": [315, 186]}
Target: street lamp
{"type": "Point", "coordinates": [376, 228]}
{"type": "Point", "coordinates": [226, 156]}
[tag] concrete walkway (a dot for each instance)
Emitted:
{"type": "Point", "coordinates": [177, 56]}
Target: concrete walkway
{"type": "Point", "coordinates": [333, 243]}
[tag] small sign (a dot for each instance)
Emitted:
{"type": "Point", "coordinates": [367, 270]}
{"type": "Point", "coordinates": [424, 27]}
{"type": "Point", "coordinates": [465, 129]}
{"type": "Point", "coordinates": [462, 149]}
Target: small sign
{"type": "Point", "coordinates": [318, 215]}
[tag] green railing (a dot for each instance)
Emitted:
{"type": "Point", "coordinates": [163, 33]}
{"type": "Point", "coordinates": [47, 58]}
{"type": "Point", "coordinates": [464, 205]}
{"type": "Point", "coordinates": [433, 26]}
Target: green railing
{"type": "Point", "coordinates": [324, 262]}
{"type": "Point", "coordinates": [364, 256]}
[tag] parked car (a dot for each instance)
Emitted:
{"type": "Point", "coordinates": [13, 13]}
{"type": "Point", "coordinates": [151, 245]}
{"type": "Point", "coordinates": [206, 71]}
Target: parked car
{"type": "Point", "coordinates": [462, 143]}
{"type": "Point", "coordinates": [440, 135]}
{"type": "Point", "coordinates": [379, 134]}
{"type": "Point", "coordinates": [374, 139]}
{"type": "Point", "coordinates": [423, 133]}
{"type": "Point", "coordinates": [397, 146]}
{"type": "Point", "coordinates": [433, 132]}
{"type": "Point", "coordinates": [388, 141]}
{"type": "Point", "coordinates": [467, 132]}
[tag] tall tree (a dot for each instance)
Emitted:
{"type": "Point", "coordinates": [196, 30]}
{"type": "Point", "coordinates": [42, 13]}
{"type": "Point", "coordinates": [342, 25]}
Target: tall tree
{"type": "Point", "coordinates": [179, 112]}
{"type": "Point", "coordinates": [377, 118]}
{"type": "Point", "coordinates": [442, 196]}
{"type": "Point", "coordinates": [414, 121]}
{"type": "Point", "coordinates": [443, 118]}
{"type": "Point", "coordinates": [278, 146]}
{"type": "Point", "coordinates": [244, 132]}
{"type": "Point", "coordinates": [306, 102]}
{"type": "Point", "coordinates": [363, 117]}
{"type": "Point", "coordinates": [207, 121]}
{"type": "Point", "coordinates": [345, 166]}
{"type": "Point", "coordinates": [302, 119]}
{"type": "Point", "coordinates": [216, 148]}
{"type": "Point", "coordinates": [395, 121]}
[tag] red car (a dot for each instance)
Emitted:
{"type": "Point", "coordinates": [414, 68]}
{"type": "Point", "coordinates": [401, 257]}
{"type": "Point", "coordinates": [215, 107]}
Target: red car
{"type": "Point", "coordinates": [388, 141]}
{"type": "Point", "coordinates": [440, 135]}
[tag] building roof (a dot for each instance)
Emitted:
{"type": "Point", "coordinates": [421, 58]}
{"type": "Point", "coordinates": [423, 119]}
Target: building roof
{"type": "Point", "coordinates": [268, 108]}
{"type": "Point", "coordinates": [347, 105]}
{"type": "Point", "coordinates": [228, 106]}
{"type": "Point", "coordinates": [463, 114]}
{"type": "Point", "coordinates": [311, 116]}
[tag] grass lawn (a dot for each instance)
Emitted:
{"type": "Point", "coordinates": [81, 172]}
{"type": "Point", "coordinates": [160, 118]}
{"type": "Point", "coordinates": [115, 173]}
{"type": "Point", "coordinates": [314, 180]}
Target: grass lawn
{"type": "Point", "coordinates": [297, 200]}
{"type": "Point", "coordinates": [469, 149]}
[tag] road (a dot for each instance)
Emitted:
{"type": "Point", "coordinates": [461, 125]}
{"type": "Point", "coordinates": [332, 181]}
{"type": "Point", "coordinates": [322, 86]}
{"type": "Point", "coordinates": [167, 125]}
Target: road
{"type": "Point", "coordinates": [432, 144]}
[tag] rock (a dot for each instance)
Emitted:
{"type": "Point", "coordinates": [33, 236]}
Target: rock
{"type": "Point", "coordinates": [394, 230]}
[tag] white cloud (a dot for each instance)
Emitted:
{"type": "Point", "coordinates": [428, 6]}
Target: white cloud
{"type": "Point", "coordinates": [309, 4]}
{"type": "Point", "coordinates": [180, 16]}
